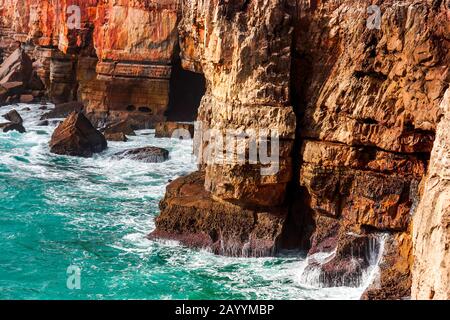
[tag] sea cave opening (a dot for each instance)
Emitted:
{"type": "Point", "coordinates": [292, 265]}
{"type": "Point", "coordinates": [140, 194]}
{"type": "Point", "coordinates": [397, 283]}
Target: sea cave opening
{"type": "Point", "coordinates": [186, 91]}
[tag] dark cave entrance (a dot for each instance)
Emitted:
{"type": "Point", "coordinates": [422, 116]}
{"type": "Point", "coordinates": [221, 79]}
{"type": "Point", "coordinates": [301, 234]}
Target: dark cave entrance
{"type": "Point", "coordinates": [186, 91]}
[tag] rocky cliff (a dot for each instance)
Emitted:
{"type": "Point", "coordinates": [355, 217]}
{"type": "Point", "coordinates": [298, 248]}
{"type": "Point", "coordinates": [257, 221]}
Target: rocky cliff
{"type": "Point", "coordinates": [357, 108]}
{"type": "Point", "coordinates": [431, 234]}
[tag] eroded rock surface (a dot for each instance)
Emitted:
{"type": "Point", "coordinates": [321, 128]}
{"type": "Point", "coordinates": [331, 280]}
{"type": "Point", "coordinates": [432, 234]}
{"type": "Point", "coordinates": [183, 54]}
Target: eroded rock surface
{"type": "Point", "coordinates": [190, 215]}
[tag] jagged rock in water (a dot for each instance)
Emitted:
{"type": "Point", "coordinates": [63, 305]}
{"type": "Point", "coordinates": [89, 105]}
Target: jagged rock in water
{"type": "Point", "coordinates": [10, 126]}
{"type": "Point", "coordinates": [146, 154]}
{"type": "Point", "coordinates": [13, 116]}
{"type": "Point", "coordinates": [77, 137]}
{"type": "Point", "coordinates": [167, 130]}
{"type": "Point", "coordinates": [119, 136]}
{"type": "Point", "coordinates": [190, 215]}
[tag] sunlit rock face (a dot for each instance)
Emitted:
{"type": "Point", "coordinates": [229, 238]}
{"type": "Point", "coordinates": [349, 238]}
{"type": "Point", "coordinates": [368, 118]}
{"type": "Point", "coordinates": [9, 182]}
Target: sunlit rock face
{"type": "Point", "coordinates": [135, 43]}
{"type": "Point", "coordinates": [244, 50]}
{"type": "Point", "coordinates": [115, 56]}
{"type": "Point", "coordinates": [431, 234]}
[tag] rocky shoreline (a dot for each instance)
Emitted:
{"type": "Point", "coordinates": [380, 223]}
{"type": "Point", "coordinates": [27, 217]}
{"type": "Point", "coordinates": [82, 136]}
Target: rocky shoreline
{"type": "Point", "coordinates": [361, 115]}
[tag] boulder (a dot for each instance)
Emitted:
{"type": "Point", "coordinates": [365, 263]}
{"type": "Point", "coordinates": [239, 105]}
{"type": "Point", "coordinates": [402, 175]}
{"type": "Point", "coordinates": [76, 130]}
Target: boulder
{"type": "Point", "coordinates": [63, 110]}
{"type": "Point", "coordinates": [13, 116]}
{"type": "Point", "coordinates": [146, 154]}
{"type": "Point", "coordinates": [10, 126]}
{"type": "Point", "coordinates": [167, 129]}
{"type": "Point", "coordinates": [394, 278]}
{"type": "Point", "coordinates": [76, 136]}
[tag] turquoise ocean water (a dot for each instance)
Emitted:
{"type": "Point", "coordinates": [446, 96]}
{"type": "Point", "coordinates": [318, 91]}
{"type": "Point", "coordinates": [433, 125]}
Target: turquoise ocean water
{"type": "Point", "coordinates": [57, 212]}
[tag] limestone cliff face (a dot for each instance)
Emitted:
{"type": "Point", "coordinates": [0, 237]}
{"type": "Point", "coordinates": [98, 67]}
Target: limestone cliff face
{"type": "Point", "coordinates": [243, 49]}
{"type": "Point", "coordinates": [431, 234]}
{"type": "Point", "coordinates": [367, 106]}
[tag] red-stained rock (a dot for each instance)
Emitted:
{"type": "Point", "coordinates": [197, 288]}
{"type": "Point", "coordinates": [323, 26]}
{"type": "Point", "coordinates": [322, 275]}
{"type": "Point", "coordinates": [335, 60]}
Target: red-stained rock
{"type": "Point", "coordinates": [116, 137]}
{"type": "Point", "coordinates": [77, 137]}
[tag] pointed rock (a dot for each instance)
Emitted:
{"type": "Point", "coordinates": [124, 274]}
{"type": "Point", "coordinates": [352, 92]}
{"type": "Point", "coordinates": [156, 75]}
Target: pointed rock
{"type": "Point", "coordinates": [13, 116]}
{"type": "Point", "coordinates": [77, 137]}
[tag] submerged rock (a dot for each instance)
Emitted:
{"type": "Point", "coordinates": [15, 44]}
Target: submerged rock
{"type": "Point", "coordinates": [43, 123]}
{"type": "Point", "coordinates": [190, 215]}
{"type": "Point", "coordinates": [10, 126]}
{"type": "Point", "coordinates": [146, 154]}
{"type": "Point", "coordinates": [76, 136]}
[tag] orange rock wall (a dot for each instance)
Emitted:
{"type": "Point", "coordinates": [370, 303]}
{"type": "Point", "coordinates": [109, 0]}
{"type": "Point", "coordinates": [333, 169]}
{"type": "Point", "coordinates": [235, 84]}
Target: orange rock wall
{"type": "Point", "coordinates": [119, 45]}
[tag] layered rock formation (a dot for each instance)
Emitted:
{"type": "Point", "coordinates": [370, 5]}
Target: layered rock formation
{"type": "Point", "coordinates": [115, 57]}
{"type": "Point", "coordinates": [243, 49]}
